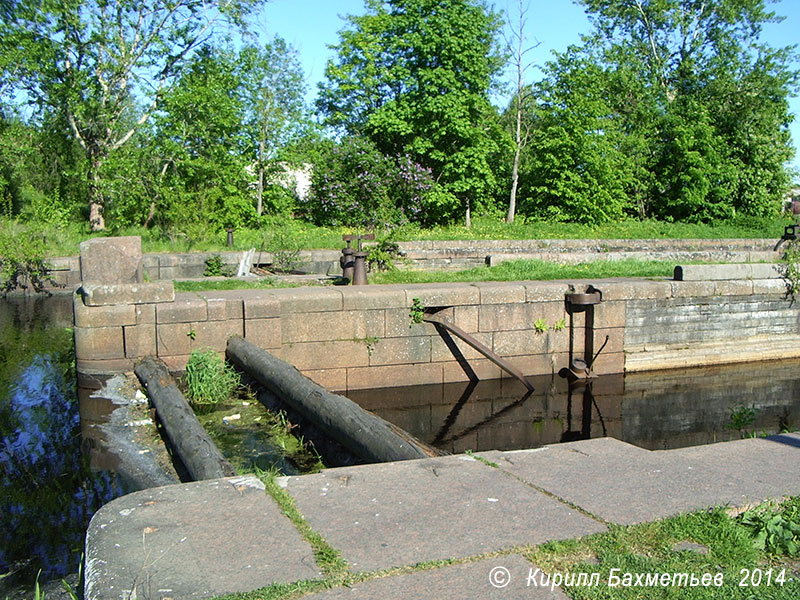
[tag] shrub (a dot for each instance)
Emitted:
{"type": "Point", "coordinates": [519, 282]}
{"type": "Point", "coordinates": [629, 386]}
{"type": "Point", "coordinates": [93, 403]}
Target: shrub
{"type": "Point", "coordinates": [22, 262]}
{"type": "Point", "coordinates": [209, 379]}
{"type": "Point", "coordinates": [353, 184]}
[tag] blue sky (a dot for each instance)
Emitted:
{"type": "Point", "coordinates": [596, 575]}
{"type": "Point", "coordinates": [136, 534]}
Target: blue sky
{"type": "Point", "coordinates": [311, 25]}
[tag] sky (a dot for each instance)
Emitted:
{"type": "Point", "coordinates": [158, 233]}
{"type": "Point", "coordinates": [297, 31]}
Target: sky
{"type": "Point", "coordinates": [310, 26]}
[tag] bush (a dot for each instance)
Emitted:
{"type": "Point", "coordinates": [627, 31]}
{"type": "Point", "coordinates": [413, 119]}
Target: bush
{"type": "Point", "coordinates": [22, 262]}
{"type": "Point", "coordinates": [209, 379]}
{"type": "Point", "coordinates": [353, 184]}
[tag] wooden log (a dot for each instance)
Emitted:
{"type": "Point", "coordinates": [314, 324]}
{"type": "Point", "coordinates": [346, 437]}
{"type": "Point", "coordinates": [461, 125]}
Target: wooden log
{"type": "Point", "coordinates": [189, 439]}
{"type": "Point", "coordinates": [361, 432]}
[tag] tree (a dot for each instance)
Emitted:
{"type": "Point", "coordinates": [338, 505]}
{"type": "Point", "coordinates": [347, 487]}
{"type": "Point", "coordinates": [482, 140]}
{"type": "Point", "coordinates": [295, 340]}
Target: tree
{"type": "Point", "coordinates": [101, 63]}
{"type": "Point", "coordinates": [575, 168]}
{"type": "Point", "coordinates": [272, 93]}
{"type": "Point", "coordinates": [414, 76]}
{"type": "Point", "coordinates": [717, 97]}
{"type": "Point", "coordinates": [203, 149]}
{"type": "Point", "coordinates": [516, 44]}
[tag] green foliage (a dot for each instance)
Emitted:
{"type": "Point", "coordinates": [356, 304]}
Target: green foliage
{"type": "Point", "coordinates": [417, 311]}
{"type": "Point", "coordinates": [775, 529]}
{"type": "Point", "coordinates": [670, 110]}
{"type": "Point", "coordinates": [414, 76]}
{"type": "Point", "coordinates": [382, 255]}
{"type": "Point", "coordinates": [742, 417]}
{"type": "Point", "coordinates": [534, 270]}
{"type": "Point", "coordinates": [103, 71]}
{"type": "Point", "coordinates": [22, 262]}
{"type": "Point", "coordinates": [790, 268]}
{"type": "Point", "coordinates": [354, 185]}
{"type": "Point", "coordinates": [214, 266]}
{"type": "Point", "coordinates": [209, 379]}
{"type": "Point", "coordinates": [285, 246]}
{"type": "Point", "coordinates": [540, 325]}
{"type": "Point", "coordinates": [560, 324]}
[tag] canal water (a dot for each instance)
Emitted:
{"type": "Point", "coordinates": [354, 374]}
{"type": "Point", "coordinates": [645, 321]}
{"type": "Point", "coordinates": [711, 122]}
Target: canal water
{"type": "Point", "coordinates": [48, 492]}
{"type": "Point", "coordinates": [657, 410]}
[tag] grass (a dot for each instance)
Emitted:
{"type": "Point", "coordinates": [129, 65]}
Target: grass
{"type": "Point", "coordinates": [209, 379]}
{"type": "Point", "coordinates": [533, 270]}
{"type": "Point", "coordinates": [65, 240]}
{"type": "Point", "coordinates": [267, 283]}
{"type": "Point", "coordinates": [514, 270]}
{"type": "Point", "coordinates": [649, 548]}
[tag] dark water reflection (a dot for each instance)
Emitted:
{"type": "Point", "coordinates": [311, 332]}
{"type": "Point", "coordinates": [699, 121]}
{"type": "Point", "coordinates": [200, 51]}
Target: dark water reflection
{"type": "Point", "coordinates": [658, 410]}
{"type": "Point", "coordinates": [47, 491]}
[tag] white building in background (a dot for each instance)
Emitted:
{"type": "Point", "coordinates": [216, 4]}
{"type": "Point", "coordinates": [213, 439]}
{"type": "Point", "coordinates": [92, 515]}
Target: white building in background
{"type": "Point", "coordinates": [296, 179]}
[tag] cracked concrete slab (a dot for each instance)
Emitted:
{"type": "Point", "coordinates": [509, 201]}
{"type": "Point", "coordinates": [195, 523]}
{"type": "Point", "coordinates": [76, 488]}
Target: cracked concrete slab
{"type": "Point", "coordinates": [396, 514]}
{"type": "Point", "coordinates": [193, 540]}
{"type": "Point", "coordinates": [624, 484]}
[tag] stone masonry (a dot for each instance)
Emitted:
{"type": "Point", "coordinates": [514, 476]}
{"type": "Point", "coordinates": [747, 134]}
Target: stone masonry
{"type": "Point", "coordinates": [349, 338]}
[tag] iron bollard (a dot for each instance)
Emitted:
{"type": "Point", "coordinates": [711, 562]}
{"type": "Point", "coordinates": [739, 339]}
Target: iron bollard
{"type": "Point", "coordinates": [360, 268]}
{"type": "Point", "coordinates": [347, 263]}
{"type": "Point", "coordinates": [229, 241]}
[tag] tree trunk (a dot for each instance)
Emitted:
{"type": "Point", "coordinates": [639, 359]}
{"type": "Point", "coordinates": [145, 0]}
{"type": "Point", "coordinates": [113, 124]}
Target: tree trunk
{"type": "Point", "coordinates": [260, 189]}
{"type": "Point", "coordinates": [189, 439]}
{"type": "Point", "coordinates": [361, 432]}
{"type": "Point", "coordinates": [512, 199]}
{"type": "Point", "coordinates": [96, 219]}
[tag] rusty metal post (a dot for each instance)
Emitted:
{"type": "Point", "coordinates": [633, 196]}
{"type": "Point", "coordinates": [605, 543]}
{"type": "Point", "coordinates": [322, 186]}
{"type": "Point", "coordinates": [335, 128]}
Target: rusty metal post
{"type": "Point", "coordinates": [360, 268]}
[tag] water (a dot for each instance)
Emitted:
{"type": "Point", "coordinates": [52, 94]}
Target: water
{"type": "Point", "coordinates": [48, 493]}
{"type": "Point", "coordinates": [658, 410]}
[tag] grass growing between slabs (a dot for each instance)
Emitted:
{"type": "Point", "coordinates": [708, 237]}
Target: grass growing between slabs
{"type": "Point", "coordinates": [749, 554]}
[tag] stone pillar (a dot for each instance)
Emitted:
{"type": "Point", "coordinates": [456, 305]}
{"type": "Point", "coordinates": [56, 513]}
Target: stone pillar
{"type": "Point", "coordinates": [114, 316]}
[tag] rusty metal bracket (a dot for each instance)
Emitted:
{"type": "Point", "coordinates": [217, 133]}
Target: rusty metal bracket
{"type": "Point", "coordinates": [499, 361]}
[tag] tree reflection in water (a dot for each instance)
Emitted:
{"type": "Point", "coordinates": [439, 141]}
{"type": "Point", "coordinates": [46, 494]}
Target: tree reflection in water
{"type": "Point", "coordinates": [47, 492]}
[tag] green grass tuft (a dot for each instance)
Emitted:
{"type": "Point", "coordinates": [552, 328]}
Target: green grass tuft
{"type": "Point", "coordinates": [209, 379]}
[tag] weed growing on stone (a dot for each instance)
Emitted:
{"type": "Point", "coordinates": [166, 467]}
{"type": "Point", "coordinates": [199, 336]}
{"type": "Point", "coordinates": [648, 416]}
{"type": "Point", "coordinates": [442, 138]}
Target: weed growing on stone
{"type": "Point", "coordinates": [417, 311]}
{"type": "Point", "coordinates": [329, 559]}
{"type": "Point", "coordinates": [214, 266]}
{"type": "Point", "coordinates": [560, 324]}
{"type": "Point", "coordinates": [540, 325]}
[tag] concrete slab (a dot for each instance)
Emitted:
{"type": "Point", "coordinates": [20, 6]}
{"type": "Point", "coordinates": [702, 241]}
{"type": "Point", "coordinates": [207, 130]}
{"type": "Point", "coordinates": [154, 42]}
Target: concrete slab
{"type": "Point", "coordinates": [193, 541]}
{"type": "Point", "coordinates": [457, 582]}
{"type": "Point", "coordinates": [762, 468]}
{"type": "Point", "coordinates": [623, 484]}
{"type": "Point", "coordinates": [396, 514]}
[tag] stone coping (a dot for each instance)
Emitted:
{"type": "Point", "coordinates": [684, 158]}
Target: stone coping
{"type": "Point", "coordinates": [203, 539]}
{"type": "Point", "coordinates": [323, 299]}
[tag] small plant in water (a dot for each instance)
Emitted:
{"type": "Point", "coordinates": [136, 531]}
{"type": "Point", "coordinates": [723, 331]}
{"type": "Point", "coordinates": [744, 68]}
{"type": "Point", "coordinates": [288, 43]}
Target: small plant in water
{"type": "Point", "coordinates": [209, 379]}
{"type": "Point", "coordinates": [417, 311]}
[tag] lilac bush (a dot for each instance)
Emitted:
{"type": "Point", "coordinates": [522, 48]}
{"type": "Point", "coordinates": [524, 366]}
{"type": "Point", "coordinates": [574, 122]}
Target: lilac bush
{"type": "Point", "coordinates": [355, 185]}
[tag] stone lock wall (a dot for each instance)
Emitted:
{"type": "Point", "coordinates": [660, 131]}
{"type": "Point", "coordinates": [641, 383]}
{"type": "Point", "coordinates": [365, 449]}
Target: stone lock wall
{"type": "Point", "coordinates": [349, 338]}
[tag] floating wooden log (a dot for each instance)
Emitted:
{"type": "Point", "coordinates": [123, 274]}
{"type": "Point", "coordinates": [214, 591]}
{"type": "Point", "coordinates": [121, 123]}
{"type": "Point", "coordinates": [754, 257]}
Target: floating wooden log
{"type": "Point", "coordinates": [361, 432]}
{"type": "Point", "coordinates": [189, 439]}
